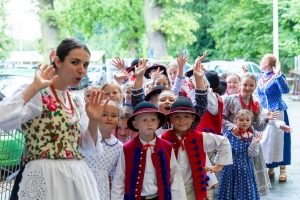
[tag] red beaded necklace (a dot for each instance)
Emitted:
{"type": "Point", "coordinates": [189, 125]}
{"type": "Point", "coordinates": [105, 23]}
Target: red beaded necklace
{"type": "Point", "coordinates": [266, 79]}
{"type": "Point", "coordinates": [241, 132]}
{"type": "Point", "coordinates": [244, 106]}
{"type": "Point", "coordinates": [70, 110]}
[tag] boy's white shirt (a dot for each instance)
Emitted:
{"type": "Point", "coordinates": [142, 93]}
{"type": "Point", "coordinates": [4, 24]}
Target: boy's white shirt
{"type": "Point", "coordinates": [150, 180]}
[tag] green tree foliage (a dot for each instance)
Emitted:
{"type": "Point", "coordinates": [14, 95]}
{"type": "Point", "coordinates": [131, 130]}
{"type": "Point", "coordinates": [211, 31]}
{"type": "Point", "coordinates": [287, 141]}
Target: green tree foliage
{"type": "Point", "coordinates": [5, 40]}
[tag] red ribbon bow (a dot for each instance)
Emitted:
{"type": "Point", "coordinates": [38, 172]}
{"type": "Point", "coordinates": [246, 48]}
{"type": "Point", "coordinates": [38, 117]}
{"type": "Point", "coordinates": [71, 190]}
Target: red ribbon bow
{"type": "Point", "coordinates": [181, 141]}
{"type": "Point", "coordinates": [146, 146]}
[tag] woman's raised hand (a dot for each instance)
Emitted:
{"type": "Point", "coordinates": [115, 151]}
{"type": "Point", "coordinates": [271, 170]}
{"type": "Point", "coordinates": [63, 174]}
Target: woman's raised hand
{"type": "Point", "coordinates": [277, 68]}
{"type": "Point", "coordinates": [94, 107]}
{"type": "Point", "coordinates": [118, 63]}
{"type": "Point", "coordinates": [44, 76]}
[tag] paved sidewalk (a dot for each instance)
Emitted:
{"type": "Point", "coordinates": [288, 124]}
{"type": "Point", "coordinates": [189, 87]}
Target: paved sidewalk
{"type": "Point", "coordinates": [289, 190]}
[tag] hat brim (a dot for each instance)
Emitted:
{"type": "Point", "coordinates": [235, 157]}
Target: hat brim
{"type": "Point", "coordinates": [222, 87]}
{"type": "Point", "coordinates": [161, 67]}
{"type": "Point", "coordinates": [130, 69]}
{"type": "Point", "coordinates": [189, 73]}
{"type": "Point", "coordinates": [161, 117]}
{"type": "Point", "coordinates": [154, 92]}
{"type": "Point", "coordinates": [197, 116]}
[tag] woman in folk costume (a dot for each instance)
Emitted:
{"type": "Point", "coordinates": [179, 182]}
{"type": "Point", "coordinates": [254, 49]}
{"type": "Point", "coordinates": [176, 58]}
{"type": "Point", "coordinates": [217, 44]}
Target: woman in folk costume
{"type": "Point", "coordinates": [53, 120]}
{"type": "Point", "coordinates": [276, 143]}
{"type": "Point", "coordinates": [245, 100]}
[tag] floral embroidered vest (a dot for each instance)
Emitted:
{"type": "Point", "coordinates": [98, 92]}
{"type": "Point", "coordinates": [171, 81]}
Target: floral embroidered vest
{"type": "Point", "coordinates": [52, 135]}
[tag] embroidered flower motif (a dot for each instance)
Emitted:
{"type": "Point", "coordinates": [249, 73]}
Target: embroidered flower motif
{"type": "Point", "coordinates": [50, 101]}
{"type": "Point", "coordinates": [69, 154]}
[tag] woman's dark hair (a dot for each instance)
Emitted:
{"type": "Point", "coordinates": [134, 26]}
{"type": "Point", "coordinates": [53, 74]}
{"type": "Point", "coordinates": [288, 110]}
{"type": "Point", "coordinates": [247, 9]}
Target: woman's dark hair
{"type": "Point", "coordinates": [66, 46]}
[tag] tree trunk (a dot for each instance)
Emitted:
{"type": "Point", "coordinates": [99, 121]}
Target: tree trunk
{"type": "Point", "coordinates": [132, 48]}
{"type": "Point", "coordinates": [49, 29]}
{"type": "Point", "coordinates": [156, 39]}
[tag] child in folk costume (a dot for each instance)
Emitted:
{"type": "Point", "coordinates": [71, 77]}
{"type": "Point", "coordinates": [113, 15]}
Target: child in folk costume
{"type": "Point", "coordinates": [237, 180]}
{"type": "Point", "coordinates": [190, 147]}
{"type": "Point", "coordinates": [122, 131]}
{"type": "Point", "coordinates": [147, 168]}
{"type": "Point", "coordinates": [102, 162]}
{"type": "Point", "coordinates": [245, 100]}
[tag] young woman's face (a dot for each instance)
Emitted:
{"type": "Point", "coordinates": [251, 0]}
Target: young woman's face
{"type": "Point", "coordinates": [123, 130]}
{"type": "Point", "coordinates": [233, 85]}
{"type": "Point", "coordinates": [112, 92]}
{"type": "Point", "coordinates": [182, 122]}
{"type": "Point", "coordinates": [162, 81]}
{"type": "Point", "coordinates": [148, 86]}
{"type": "Point", "coordinates": [109, 119]}
{"type": "Point", "coordinates": [248, 86]}
{"type": "Point", "coordinates": [165, 102]}
{"type": "Point", "coordinates": [243, 122]}
{"type": "Point", "coordinates": [172, 72]}
{"type": "Point", "coordinates": [264, 63]}
{"type": "Point", "coordinates": [72, 70]}
{"type": "Point", "coordinates": [127, 94]}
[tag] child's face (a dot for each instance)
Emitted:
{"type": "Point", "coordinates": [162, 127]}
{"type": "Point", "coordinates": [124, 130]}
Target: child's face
{"type": "Point", "coordinates": [109, 119]}
{"type": "Point", "coordinates": [127, 94]}
{"type": "Point", "coordinates": [112, 92]}
{"type": "Point", "coordinates": [233, 85]}
{"type": "Point", "coordinates": [148, 86]}
{"type": "Point", "coordinates": [146, 123]}
{"type": "Point", "coordinates": [152, 71]}
{"type": "Point", "coordinates": [87, 95]}
{"type": "Point", "coordinates": [162, 81]}
{"type": "Point", "coordinates": [172, 72]}
{"type": "Point", "coordinates": [123, 130]}
{"type": "Point", "coordinates": [165, 102]}
{"type": "Point", "coordinates": [248, 86]}
{"type": "Point", "coordinates": [182, 122]}
{"type": "Point", "coordinates": [243, 122]}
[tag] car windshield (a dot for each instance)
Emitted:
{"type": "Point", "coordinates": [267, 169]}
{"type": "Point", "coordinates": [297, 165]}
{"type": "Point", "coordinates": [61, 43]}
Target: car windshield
{"type": "Point", "coordinates": [234, 68]}
{"type": "Point", "coordinates": [10, 83]}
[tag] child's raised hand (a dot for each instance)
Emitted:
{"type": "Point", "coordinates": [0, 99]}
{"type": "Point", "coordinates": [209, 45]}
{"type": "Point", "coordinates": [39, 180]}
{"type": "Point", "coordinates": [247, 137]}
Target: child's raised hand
{"type": "Point", "coordinates": [44, 77]}
{"type": "Point", "coordinates": [201, 58]}
{"type": "Point", "coordinates": [214, 169]}
{"type": "Point", "coordinates": [214, 186]}
{"type": "Point", "coordinates": [157, 73]}
{"type": "Point", "coordinates": [257, 138]}
{"type": "Point", "coordinates": [141, 69]}
{"type": "Point", "coordinates": [191, 84]}
{"type": "Point", "coordinates": [118, 63]}
{"type": "Point", "coordinates": [245, 70]}
{"type": "Point", "coordinates": [182, 60]}
{"type": "Point", "coordinates": [121, 76]}
{"type": "Point", "coordinates": [198, 72]}
{"type": "Point", "coordinates": [286, 128]}
{"type": "Point", "coordinates": [94, 107]}
{"type": "Point", "coordinates": [235, 131]}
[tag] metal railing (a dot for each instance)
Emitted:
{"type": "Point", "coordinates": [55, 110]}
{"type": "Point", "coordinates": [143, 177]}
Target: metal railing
{"type": "Point", "coordinates": [12, 145]}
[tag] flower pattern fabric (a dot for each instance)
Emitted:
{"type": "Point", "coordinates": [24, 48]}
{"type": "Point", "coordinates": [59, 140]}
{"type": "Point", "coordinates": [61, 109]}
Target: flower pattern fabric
{"type": "Point", "coordinates": [53, 134]}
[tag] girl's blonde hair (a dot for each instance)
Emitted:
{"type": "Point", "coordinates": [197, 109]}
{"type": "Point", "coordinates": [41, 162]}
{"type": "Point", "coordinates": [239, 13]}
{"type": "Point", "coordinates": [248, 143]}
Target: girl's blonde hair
{"type": "Point", "coordinates": [111, 82]}
{"type": "Point", "coordinates": [248, 75]}
{"type": "Point", "coordinates": [232, 74]}
{"type": "Point", "coordinates": [94, 87]}
{"type": "Point", "coordinates": [115, 104]}
{"type": "Point", "coordinates": [271, 59]}
{"type": "Point", "coordinates": [173, 63]}
{"type": "Point", "coordinates": [125, 113]}
{"type": "Point", "coordinates": [241, 113]}
{"type": "Point", "coordinates": [128, 84]}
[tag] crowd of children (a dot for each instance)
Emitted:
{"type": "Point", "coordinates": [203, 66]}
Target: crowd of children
{"type": "Point", "coordinates": [155, 132]}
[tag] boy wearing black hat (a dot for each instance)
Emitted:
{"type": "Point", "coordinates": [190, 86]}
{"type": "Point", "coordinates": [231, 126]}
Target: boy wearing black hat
{"type": "Point", "coordinates": [190, 148]}
{"type": "Point", "coordinates": [147, 167]}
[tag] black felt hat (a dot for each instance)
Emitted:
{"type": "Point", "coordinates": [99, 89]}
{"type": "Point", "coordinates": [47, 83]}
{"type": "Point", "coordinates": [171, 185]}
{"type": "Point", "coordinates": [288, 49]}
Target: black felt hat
{"type": "Point", "coordinates": [134, 63]}
{"type": "Point", "coordinates": [189, 73]}
{"type": "Point", "coordinates": [183, 105]}
{"type": "Point", "coordinates": [156, 90]}
{"type": "Point", "coordinates": [155, 66]}
{"type": "Point", "coordinates": [145, 107]}
{"type": "Point", "coordinates": [217, 83]}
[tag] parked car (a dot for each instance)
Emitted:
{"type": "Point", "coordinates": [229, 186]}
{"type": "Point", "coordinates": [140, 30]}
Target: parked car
{"type": "Point", "coordinates": [26, 66]}
{"type": "Point", "coordinates": [236, 67]}
{"type": "Point", "coordinates": [97, 74]}
{"type": "Point", "coordinates": [12, 142]}
{"type": "Point", "coordinates": [211, 65]}
{"type": "Point", "coordinates": [83, 83]}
